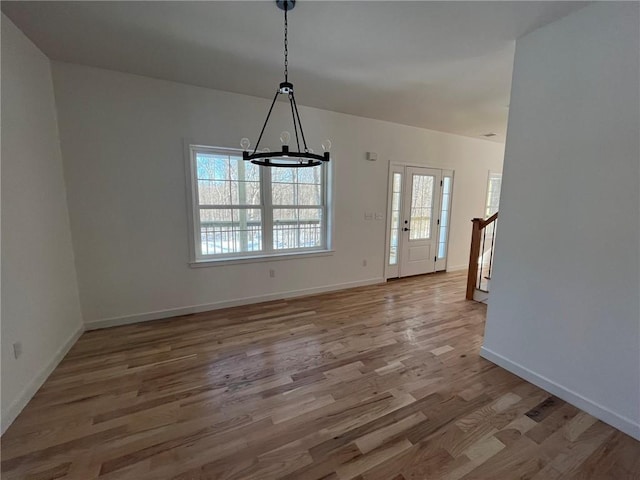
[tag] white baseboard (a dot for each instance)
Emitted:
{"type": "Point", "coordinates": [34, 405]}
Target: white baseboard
{"type": "Point", "coordinates": [620, 422]}
{"type": "Point", "coordinates": [457, 268]}
{"type": "Point", "coordinates": [30, 390]}
{"type": "Point", "coordinates": [174, 312]}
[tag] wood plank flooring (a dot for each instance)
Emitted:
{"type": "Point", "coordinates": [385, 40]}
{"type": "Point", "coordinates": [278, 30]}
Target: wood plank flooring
{"type": "Point", "coordinates": [374, 383]}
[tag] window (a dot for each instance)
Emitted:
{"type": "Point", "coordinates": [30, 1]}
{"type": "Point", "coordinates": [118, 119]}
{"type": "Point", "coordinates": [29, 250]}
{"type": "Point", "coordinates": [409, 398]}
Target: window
{"type": "Point", "coordinates": [243, 210]}
{"type": "Point", "coordinates": [493, 203]}
{"type": "Point", "coordinates": [493, 194]}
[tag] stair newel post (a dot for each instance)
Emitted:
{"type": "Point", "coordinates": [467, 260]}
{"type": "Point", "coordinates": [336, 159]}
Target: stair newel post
{"type": "Point", "coordinates": [474, 254]}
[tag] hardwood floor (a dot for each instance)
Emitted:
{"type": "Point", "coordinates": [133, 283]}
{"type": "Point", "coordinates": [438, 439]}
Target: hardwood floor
{"type": "Point", "coordinates": [380, 382]}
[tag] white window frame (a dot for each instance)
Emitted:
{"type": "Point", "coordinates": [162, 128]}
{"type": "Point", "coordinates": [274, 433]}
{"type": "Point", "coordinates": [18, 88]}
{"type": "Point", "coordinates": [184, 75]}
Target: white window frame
{"type": "Point", "coordinates": [268, 253]}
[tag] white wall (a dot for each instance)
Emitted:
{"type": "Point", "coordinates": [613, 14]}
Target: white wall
{"type": "Point", "coordinates": [122, 142]}
{"type": "Point", "coordinates": [564, 309]}
{"type": "Point", "coordinates": [40, 306]}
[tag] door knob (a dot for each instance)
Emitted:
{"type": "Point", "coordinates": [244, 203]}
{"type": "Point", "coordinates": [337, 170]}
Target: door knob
{"type": "Point", "coordinates": [405, 229]}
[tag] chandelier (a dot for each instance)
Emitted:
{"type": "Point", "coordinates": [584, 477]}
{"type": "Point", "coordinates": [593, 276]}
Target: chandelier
{"type": "Point", "coordinates": [286, 157]}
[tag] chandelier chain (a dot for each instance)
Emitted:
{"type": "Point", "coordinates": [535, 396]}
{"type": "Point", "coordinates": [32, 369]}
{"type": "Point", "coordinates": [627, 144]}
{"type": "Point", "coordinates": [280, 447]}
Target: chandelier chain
{"type": "Point", "coordinates": [286, 45]}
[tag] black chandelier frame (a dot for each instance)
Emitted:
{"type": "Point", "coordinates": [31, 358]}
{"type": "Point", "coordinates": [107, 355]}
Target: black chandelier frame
{"type": "Point", "coordinates": [286, 157]}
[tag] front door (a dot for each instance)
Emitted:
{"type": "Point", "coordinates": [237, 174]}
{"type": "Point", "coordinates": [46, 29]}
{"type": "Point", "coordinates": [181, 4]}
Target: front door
{"type": "Point", "coordinates": [417, 240]}
{"type": "Point", "coordinates": [419, 221]}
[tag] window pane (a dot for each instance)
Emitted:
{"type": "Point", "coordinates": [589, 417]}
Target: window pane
{"type": "Point", "coordinates": [227, 180]}
{"type": "Point", "coordinates": [312, 175]}
{"type": "Point", "coordinates": [222, 192]}
{"type": "Point", "coordinates": [444, 219]}
{"type": "Point", "coordinates": [420, 226]}
{"type": "Point", "coordinates": [309, 195]}
{"type": "Point", "coordinates": [251, 193]}
{"type": "Point", "coordinates": [443, 235]}
{"type": "Point", "coordinates": [212, 167]}
{"type": "Point", "coordinates": [214, 192]}
{"type": "Point", "coordinates": [421, 207]}
{"type": "Point", "coordinates": [283, 175]}
{"type": "Point", "coordinates": [241, 170]}
{"type": "Point", "coordinates": [493, 194]}
{"type": "Point", "coordinates": [442, 250]}
{"type": "Point", "coordinates": [296, 186]}
{"type": "Point", "coordinates": [447, 185]}
{"type": "Point", "coordinates": [395, 201]}
{"type": "Point", "coordinates": [225, 167]}
{"type": "Point", "coordinates": [397, 180]}
{"type": "Point", "coordinates": [393, 242]}
{"type": "Point", "coordinates": [393, 250]}
{"type": "Point", "coordinates": [230, 230]}
{"type": "Point", "coordinates": [297, 228]}
{"type": "Point", "coordinates": [422, 193]}
{"type": "Point", "coordinates": [245, 193]}
{"type": "Point", "coordinates": [282, 194]}
{"type": "Point", "coordinates": [395, 221]}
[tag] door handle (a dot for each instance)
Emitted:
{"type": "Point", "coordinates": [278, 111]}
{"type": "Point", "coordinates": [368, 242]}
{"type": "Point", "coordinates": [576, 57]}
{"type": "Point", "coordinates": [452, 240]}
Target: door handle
{"type": "Point", "coordinates": [405, 229]}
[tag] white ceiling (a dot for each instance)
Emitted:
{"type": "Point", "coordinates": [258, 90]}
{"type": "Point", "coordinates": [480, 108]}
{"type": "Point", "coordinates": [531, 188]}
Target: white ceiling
{"type": "Point", "coordinates": [439, 65]}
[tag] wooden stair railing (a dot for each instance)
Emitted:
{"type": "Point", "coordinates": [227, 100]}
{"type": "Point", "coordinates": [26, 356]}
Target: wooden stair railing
{"type": "Point", "coordinates": [478, 236]}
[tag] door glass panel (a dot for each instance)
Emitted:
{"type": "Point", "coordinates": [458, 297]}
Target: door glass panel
{"type": "Point", "coordinates": [395, 218]}
{"type": "Point", "coordinates": [421, 207]}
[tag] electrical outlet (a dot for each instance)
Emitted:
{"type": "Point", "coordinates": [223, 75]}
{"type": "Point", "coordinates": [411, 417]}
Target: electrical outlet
{"type": "Point", "coordinates": [272, 273]}
{"type": "Point", "coordinates": [17, 350]}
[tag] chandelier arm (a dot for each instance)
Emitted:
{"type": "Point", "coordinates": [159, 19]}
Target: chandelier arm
{"type": "Point", "coordinates": [266, 121]}
{"type": "Point", "coordinates": [295, 105]}
{"type": "Point", "coordinates": [293, 116]}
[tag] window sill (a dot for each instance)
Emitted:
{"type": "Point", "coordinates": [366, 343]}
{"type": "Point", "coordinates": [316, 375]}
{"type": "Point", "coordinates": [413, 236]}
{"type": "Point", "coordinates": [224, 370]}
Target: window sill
{"type": "Point", "coordinates": [259, 258]}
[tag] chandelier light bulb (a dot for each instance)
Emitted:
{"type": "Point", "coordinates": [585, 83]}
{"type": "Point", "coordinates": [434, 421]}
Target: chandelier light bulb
{"type": "Point", "coordinates": [326, 145]}
{"type": "Point", "coordinates": [244, 143]}
{"type": "Point", "coordinates": [266, 150]}
{"type": "Point", "coordinates": [285, 137]}
{"type": "Point", "coordinates": [310, 150]}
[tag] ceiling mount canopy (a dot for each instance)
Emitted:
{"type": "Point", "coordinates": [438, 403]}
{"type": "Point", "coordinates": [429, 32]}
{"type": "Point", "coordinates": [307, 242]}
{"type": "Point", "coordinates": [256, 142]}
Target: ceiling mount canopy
{"type": "Point", "coordinates": [286, 4]}
{"type": "Point", "coordinates": [286, 157]}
